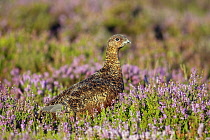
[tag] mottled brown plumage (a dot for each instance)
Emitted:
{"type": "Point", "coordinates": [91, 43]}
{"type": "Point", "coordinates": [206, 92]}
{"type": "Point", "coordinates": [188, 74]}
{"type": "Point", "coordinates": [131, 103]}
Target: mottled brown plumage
{"type": "Point", "coordinates": [97, 91]}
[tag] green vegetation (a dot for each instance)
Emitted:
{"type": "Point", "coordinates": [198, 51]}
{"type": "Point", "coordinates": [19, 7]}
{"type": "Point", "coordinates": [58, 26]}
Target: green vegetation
{"type": "Point", "coordinates": [46, 46]}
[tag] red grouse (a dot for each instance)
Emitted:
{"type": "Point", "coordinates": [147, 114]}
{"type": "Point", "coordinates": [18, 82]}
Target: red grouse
{"type": "Point", "coordinates": [97, 91]}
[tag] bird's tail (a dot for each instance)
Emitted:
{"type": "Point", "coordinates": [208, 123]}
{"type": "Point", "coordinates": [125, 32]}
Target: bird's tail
{"type": "Point", "coordinates": [53, 108]}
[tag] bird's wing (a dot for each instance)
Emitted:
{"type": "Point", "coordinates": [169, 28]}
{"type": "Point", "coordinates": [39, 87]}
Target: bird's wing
{"type": "Point", "coordinates": [89, 91]}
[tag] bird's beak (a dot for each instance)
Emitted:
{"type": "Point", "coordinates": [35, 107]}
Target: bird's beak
{"type": "Point", "coordinates": [126, 42]}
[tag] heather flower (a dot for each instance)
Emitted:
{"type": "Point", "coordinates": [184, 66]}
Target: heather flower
{"type": "Point", "coordinates": [15, 72]}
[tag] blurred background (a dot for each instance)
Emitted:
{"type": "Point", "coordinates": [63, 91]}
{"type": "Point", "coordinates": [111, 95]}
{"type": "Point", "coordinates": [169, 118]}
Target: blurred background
{"type": "Point", "coordinates": [43, 35]}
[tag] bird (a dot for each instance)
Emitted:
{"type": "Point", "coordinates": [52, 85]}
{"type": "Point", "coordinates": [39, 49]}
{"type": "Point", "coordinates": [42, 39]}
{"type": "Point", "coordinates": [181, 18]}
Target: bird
{"type": "Point", "coordinates": [98, 91]}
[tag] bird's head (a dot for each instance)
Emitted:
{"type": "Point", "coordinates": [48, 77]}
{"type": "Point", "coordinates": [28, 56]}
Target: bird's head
{"type": "Point", "coordinates": [118, 41]}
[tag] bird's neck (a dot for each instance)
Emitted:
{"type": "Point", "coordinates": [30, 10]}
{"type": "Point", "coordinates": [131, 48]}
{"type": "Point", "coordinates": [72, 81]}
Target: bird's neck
{"type": "Point", "coordinates": [112, 58]}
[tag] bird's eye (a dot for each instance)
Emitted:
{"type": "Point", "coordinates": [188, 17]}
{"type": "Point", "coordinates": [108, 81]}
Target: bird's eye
{"type": "Point", "coordinates": [117, 39]}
